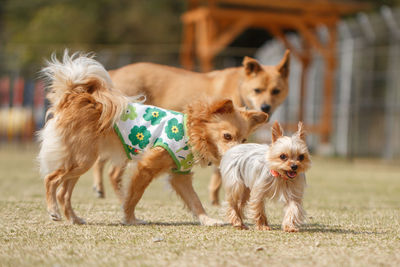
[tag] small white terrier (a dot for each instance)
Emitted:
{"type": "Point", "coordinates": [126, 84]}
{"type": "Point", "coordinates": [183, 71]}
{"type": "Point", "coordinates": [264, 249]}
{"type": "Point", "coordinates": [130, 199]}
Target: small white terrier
{"type": "Point", "coordinates": [253, 172]}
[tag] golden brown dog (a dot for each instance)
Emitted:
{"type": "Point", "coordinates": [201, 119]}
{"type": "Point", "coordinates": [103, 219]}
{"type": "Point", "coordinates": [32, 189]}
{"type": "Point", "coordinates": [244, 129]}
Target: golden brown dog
{"type": "Point", "coordinates": [252, 85]}
{"type": "Point", "coordinates": [85, 110]}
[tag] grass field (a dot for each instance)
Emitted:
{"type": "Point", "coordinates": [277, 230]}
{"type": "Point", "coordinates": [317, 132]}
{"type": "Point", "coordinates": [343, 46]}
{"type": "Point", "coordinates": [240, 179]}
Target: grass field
{"type": "Point", "coordinates": [353, 220]}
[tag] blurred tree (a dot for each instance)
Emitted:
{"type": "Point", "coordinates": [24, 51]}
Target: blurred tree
{"type": "Point", "coordinates": [31, 29]}
{"type": "Point", "coordinates": [34, 28]}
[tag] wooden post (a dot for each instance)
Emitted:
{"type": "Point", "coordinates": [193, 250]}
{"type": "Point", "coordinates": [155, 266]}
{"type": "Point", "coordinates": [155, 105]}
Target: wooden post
{"type": "Point", "coordinates": [329, 85]}
{"type": "Point", "coordinates": [305, 66]}
{"type": "Point", "coordinates": [203, 45]}
{"type": "Point", "coordinates": [187, 48]}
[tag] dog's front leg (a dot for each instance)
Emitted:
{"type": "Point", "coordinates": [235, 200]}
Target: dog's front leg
{"type": "Point", "coordinates": [182, 184]}
{"type": "Point", "coordinates": [294, 216]}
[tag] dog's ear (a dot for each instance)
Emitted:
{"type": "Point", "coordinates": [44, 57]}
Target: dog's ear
{"type": "Point", "coordinates": [277, 131]}
{"type": "Point", "coordinates": [301, 133]}
{"type": "Point", "coordinates": [251, 66]}
{"type": "Point", "coordinates": [222, 106]}
{"type": "Point", "coordinates": [283, 66]}
{"type": "Point", "coordinates": [255, 118]}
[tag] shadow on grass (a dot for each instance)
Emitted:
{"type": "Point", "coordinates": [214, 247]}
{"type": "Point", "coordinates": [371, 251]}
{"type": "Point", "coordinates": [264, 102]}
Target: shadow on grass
{"type": "Point", "coordinates": [309, 228]}
{"type": "Point", "coordinates": [321, 228]}
{"type": "Point", "coordinates": [147, 224]}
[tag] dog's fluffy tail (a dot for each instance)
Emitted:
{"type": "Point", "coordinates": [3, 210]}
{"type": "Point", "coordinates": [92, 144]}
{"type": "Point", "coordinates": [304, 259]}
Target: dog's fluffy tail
{"type": "Point", "coordinates": [75, 73]}
{"type": "Point", "coordinates": [81, 75]}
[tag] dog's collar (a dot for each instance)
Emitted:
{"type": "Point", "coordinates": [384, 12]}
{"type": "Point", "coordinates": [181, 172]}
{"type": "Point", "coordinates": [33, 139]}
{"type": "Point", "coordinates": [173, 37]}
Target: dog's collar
{"type": "Point", "coordinates": [277, 174]}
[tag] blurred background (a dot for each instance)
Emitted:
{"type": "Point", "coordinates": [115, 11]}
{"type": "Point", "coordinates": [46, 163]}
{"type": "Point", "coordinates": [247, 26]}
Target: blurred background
{"type": "Point", "coordinates": [345, 63]}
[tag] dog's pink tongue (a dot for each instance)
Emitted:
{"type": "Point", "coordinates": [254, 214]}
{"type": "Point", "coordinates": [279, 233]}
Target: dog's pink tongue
{"type": "Point", "coordinates": [291, 174]}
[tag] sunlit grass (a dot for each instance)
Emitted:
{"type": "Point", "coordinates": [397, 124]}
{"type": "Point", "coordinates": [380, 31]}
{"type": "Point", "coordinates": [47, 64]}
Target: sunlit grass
{"type": "Point", "coordinates": [353, 219]}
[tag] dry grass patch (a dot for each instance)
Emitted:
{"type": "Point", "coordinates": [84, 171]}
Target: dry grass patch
{"type": "Point", "coordinates": [353, 210]}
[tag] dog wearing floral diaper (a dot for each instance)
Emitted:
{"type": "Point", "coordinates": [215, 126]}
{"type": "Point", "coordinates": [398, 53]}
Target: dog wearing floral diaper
{"type": "Point", "coordinates": [85, 106]}
{"type": "Point", "coordinates": [142, 126]}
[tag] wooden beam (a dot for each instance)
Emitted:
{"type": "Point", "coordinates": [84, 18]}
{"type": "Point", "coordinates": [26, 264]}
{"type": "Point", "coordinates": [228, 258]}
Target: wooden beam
{"type": "Point", "coordinates": [277, 33]}
{"type": "Point", "coordinates": [311, 37]}
{"type": "Point", "coordinates": [195, 15]}
{"type": "Point", "coordinates": [315, 6]}
{"type": "Point", "coordinates": [228, 35]}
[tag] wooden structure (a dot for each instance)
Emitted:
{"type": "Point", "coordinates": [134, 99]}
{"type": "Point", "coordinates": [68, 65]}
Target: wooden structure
{"type": "Point", "coordinates": [211, 25]}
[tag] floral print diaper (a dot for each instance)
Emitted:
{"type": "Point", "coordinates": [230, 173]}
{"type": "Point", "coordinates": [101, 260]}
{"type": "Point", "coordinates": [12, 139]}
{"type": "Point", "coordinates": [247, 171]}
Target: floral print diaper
{"type": "Point", "coordinates": [143, 126]}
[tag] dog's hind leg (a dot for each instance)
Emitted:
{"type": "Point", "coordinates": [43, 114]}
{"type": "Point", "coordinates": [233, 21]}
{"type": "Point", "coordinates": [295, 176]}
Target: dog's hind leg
{"type": "Point", "coordinates": [98, 186]}
{"type": "Point", "coordinates": [236, 198]}
{"type": "Point", "coordinates": [243, 201]}
{"type": "Point", "coordinates": [68, 211]}
{"type": "Point", "coordinates": [182, 184]}
{"type": "Point", "coordinates": [51, 182]}
{"type": "Point", "coordinates": [214, 186]}
{"type": "Point", "coordinates": [116, 174]}
{"type": "Point", "coordinates": [64, 199]}
{"type": "Point", "coordinates": [257, 208]}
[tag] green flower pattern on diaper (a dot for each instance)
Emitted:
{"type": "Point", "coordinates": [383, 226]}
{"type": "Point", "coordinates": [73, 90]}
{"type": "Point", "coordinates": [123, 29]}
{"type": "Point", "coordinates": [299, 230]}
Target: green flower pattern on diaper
{"type": "Point", "coordinates": [188, 162]}
{"type": "Point", "coordinates": [154, 115]}
{"type": "Point", "coordinates": [174, 129]}
{"type": "Point", "coordinates": [133, 151]}
{"type": "Point", "coordinates": [129, 113]}
{"type": "Point", "coordinates": [140, 136]}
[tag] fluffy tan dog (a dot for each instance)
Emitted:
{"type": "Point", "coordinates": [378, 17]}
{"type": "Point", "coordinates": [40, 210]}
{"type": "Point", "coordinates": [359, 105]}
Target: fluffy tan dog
{"type": "Point", "coordinates": [87, 112]}
{"type": "Point", "coordinates": [252, 85]}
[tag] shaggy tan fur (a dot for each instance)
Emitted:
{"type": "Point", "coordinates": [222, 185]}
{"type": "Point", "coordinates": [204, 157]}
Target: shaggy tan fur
{"type": "Point", "coordinates": [85, 108]}
{"type": "Point", "coordinates": [255, 86]}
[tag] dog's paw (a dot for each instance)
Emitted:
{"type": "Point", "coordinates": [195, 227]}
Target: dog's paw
{"type": "Point", "coordinates": [207, 221]}
{"type": "Point", "coordinates": [290, 228]}
{"type": "Point", "coordinates": [99, 193]}
{"type": "Point", "coordinates": [77, 220]}
{"type": "Point", "coordinates": [55, 216]}
{"type": "Point", "coordinates": [134, 222]}
{"type": "Point", "coordinates": [241, 227]}
{"type": "Point", "coordinates": [215, 202]}
{"type": "Point", "coordinates": [263, 227]}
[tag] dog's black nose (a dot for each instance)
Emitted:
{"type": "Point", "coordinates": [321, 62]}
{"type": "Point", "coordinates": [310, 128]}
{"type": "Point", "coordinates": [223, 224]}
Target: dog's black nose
{"type": "Point", "coordinates": [266, 108]}
{"type": "Point", "coordinates": [294, 167]}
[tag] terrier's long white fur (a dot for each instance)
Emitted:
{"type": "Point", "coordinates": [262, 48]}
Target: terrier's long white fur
{"type": "Point", "coordinates": [246, 165]}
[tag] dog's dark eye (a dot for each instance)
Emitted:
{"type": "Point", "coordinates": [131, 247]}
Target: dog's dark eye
{"type": "Point", "coordinates": [283, 157]}
{"type": "Point", "coordinates": [276, 91]}
{"type": "Point", "coordinates": [244, 140]}
{"type": "Point", "coordinates": [228, 137]}
{"type": "Point", "coordinates": [301, 157]}
{"type": "Point", "coordinates": [257, 90]}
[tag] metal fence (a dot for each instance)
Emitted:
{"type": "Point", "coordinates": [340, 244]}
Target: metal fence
{"type": "Point", "coordinates": [367, 100]}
